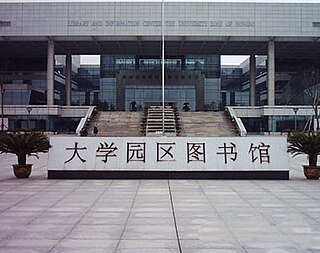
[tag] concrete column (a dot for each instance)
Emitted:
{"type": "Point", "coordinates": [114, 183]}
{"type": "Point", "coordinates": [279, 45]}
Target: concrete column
{"type": "Point", "coordinates": [50, 73]}
{"type": "Point", "coordinates": [272, 124]}
{"type": "Point", "coordinates": [68, 79]}
{"type": "Point", "coordinates": [253, 80]}
{"type": "Point", "coordinates": [271, 73]}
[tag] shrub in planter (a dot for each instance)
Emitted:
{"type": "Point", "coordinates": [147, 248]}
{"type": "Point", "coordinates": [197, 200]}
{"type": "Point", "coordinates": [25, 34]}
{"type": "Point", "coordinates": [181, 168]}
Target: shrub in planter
{"type": "Point", "coordinates": [309, 144]}
{"type": "Point", "coordinates": [23, 144]}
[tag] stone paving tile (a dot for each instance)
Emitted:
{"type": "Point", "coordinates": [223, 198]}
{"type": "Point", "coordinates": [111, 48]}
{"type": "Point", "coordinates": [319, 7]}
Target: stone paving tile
{"type": "Point", "coordinates": [285, 249]}
{"type": "Point", "coordinates": [95, 246]}
{"type": "Point", "coordinates": [104, 218]}
{"type": "Point", "coordinates": [62, 218]}
{"type": "Point", "coordinates": [142, 250]}
{"type": "Point", "coordinates": [99, 232]}
{"type": "Point", "coordinates": [148, 244]}
{"type": "Point", "coordinates": [57, 234]}
{"type": "Point", "coordinates": [313, 250]}
{"type": "Point", "coordinates": [222, 216]}
{"type": "Point", "coordinates": [31, 243]}
{"type": "Point", "coordinates": [24, 250]}
{"type": "Point", "coordinates": [149, 232]}
{"type": "Point", "coordinates": [211, 245]}
{"type": "Point", "coordinates": [150, 221]}
{"type": "Point", "coordinates": [213, 251]}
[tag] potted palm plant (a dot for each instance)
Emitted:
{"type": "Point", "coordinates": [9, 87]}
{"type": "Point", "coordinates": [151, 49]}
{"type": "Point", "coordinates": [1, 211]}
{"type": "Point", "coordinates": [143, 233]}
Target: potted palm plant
{"type": "Point", "coordinates": [23, 144]}
{"type": "Point", "coordinates": [309, 144]}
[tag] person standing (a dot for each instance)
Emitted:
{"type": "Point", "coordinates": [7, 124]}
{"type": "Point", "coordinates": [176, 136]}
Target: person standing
{"type": "Point", "coordinates": [95, 130]}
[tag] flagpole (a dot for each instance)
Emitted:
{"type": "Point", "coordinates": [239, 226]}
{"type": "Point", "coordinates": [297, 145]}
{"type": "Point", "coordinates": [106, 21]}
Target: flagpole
{"type": "Point", "coordinates": [162, 28]}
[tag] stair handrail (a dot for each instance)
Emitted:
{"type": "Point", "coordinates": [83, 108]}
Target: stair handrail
{"type": "Point", "coordinates": [238, 122]}
{"type": "Point", "coordinates": [85, 120]}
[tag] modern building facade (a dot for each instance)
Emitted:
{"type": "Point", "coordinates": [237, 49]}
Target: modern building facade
{"type": "Point", "coordinates": [128, 35]}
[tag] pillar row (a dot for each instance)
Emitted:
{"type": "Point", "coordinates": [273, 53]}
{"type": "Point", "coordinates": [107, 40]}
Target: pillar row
{"type": "Point", "coordinates": [50, 73]}
{"type": "Point", "coordinates": [68, 79]}
{"type": "Point", "coordinates": [253, 80]}
{"type": "Point", "coordinates": [271, 73]}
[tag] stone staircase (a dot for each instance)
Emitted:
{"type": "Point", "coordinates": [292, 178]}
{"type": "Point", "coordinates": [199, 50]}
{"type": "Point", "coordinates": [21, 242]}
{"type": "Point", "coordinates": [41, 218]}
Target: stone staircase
{"type": "Point", "coordinates": [117, 123]}
{"type": "Point", "coordinates": [206, 124]}
{"type": "Point", "coordinates": [154, 124]}
{"type": "Point", "coordinates": [191, 124]}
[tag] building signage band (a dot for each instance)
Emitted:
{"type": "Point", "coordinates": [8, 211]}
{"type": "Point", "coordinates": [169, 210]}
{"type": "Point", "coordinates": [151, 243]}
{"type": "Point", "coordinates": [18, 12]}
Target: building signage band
{"type": "Point", "coordinates": [157, 23]}
{"type": "Point", "coordinates": [168, 154]}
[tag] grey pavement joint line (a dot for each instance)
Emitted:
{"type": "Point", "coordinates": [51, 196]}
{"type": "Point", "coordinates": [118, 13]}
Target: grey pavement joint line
{"type": "Point", "coordinates": [127, 219]}
{"type": "Point", "coordinates": [58, 199]}
{"type": "Point", "coordinates": [308, 195]}
{"type": "Point", "coordinates": [12, 235]}
{"type": "Point", "coordinates": [283, 200]}
{"type": "Point", "coordinates": [88, 209]}
{"type": "Point", "coordinates": [26, 181]}
{"type": "Point", "coordinates": [265, 216]}
{"type": "Point", "coordinates": [221, 218]}
{"type": "Point", "coordinates": [31, 195]}
{"type": "Point", "coordinates": [22, 200]}
{"type": "Point", "coordinates": [174, 217]}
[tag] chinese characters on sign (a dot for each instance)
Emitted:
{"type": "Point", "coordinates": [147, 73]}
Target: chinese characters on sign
{"type": "Point", "coordinates": [136, 152]}
{"type": "Point", "coordinates": [106, 151]}
{"type": "Point", "coordinates": [196, 152]}
{"type": "Point", "coordinates": [75, 149]}
{"type": "Point", "coordinates": [228, 152]}
{"type": "Point", "coordinates": [165, 152]}
{"type": "Point", "coordinates": [260, 151]}
{"type": "Point", "coordinates": [252, 153]}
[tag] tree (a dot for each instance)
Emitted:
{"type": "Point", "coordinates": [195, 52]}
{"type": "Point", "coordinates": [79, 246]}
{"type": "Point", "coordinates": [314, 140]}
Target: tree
{"type": "Point", "coordinates": [3, 75]}
{"type": "Point", "coordinates": [312, 78]}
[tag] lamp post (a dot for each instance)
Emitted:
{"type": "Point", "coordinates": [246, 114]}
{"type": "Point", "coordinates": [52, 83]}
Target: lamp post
{"type": "Point", "coordinates": [162, 67]}
{"type": "Point", "coordinates": [295, 110]}
{"type": "Point", "coordinates": [29, 109]}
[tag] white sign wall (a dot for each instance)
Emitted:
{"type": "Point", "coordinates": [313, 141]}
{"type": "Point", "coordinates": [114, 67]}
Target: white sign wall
{"type": "Point", "coordinates": [168, 154]}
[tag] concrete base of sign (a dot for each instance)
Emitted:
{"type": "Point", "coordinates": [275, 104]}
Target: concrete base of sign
{"type": "Point", "coordinates": [85, 174]}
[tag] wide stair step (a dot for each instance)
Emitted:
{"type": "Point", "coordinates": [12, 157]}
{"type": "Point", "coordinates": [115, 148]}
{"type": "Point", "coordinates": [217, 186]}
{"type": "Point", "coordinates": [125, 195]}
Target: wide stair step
{"type": "Point", "coordinates": [117, 124]}
{"type": "Point", "coordinates": [205, 124]}
{"type": "Point", "coordinates": [159, 121]}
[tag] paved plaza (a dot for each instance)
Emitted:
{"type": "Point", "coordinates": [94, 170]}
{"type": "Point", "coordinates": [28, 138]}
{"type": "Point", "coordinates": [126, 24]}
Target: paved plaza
{"type": "Point", "coordinates": [157, 216]}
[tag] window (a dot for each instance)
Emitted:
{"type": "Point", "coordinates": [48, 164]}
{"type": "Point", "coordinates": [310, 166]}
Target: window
{"type": "Point", "coordinates": [316, 24]}
{"type": "Point", "coordinates": [5, 23]}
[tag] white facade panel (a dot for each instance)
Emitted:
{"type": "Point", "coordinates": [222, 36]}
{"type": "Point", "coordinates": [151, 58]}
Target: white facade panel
{"type": "Point", "coordinates": [143, 18]}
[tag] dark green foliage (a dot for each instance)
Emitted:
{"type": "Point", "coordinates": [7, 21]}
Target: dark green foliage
{"type": "Point", "coordinates": [305, 143]}
{"type": "Point", "coordinates": [23, 144]}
